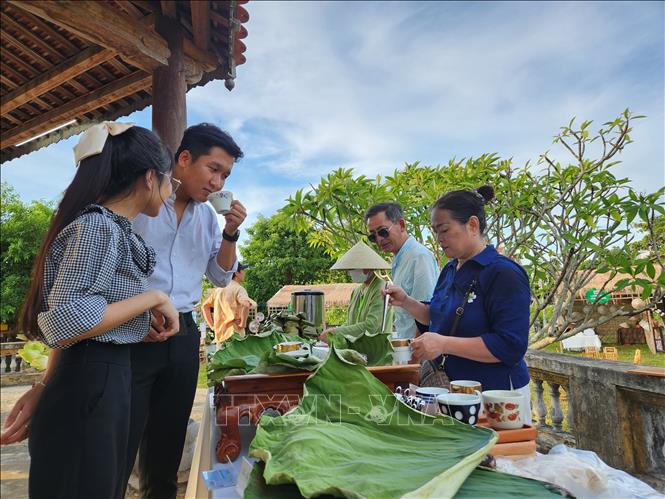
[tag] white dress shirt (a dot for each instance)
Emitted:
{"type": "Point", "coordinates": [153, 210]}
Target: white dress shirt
{"type": "Point", "coordinates": [185, 252]}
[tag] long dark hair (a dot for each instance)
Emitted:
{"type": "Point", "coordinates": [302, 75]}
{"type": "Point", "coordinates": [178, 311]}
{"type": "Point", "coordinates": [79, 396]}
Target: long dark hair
{"type": "Point", "coordinates": [463, 204]}
{"type": "Point", "coordinates": [112, 173]}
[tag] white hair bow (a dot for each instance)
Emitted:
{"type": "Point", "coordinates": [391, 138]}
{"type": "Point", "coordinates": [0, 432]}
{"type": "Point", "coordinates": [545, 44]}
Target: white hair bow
{"type": "Point", "coordinates": [93, 139]}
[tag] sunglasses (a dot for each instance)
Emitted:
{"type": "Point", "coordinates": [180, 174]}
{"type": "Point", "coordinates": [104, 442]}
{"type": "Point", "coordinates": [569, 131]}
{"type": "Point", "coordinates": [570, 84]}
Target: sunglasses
{"type": "Point", "coordinates": [383, 232]}
{"type": "Point", "coordinates": [175, 183]}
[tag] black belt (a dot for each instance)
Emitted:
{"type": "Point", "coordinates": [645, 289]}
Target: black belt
{"type": "Point", "coordinates": [96, 351]}
{"type": "Point", "coordinates": [186, 321]}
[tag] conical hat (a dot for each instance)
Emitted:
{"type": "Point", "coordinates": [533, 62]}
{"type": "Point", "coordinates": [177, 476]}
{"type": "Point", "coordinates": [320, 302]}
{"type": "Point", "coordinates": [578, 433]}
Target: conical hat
{"type": "Point", "coordinates": [360, 257]}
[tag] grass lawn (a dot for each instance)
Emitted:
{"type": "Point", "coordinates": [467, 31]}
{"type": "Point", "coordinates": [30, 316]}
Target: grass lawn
{"type": "Point", "coordinates": [203, 381]}
{"type": "Point", "coordinates": [626, 353]}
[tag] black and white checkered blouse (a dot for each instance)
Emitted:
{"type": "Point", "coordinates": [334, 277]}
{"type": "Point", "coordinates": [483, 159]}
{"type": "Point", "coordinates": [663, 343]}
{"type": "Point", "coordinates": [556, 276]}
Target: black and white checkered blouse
{"type": "Point", "coordinates": [95, 260]}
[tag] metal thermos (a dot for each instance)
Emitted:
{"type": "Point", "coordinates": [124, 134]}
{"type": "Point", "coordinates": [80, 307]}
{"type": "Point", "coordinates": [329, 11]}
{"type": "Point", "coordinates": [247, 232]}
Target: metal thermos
{"type": "Point", "coordinates": [311, 303]}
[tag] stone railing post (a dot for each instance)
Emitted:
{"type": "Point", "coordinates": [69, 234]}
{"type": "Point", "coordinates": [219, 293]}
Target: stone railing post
{"type": "Point", "coordinates": [8, 363]}
{"type": "Point", "coordinates": [541, 408]}
{"type": "Point", "coordinates": [569, 411]}
{"type": "Point", "coordinates": [556, 414]}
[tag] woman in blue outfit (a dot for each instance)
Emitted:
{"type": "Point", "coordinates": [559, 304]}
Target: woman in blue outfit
{"type": "Point", "coordinates": [489, 292]}
{"type": "Point", "coordinates": [89, 302]}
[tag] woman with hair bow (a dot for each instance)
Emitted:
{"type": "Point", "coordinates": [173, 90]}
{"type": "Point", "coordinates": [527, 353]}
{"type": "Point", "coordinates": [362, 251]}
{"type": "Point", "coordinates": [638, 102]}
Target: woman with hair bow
{"type": "Point", "coordinates": [89, 302]}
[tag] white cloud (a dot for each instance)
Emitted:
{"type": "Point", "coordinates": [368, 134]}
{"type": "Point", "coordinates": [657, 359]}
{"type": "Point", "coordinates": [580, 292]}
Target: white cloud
{"type": "Point", "coordinates": [372, 85]}
{"type": "Point", "coordinates": [383, 83]}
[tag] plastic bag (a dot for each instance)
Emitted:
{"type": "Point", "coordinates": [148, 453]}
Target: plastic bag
{"type": "Point", "coordinates": [581, 472]}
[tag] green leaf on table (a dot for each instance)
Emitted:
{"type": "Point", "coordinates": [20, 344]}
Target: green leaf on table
{"type": "Point", "coordinates": [482, 482]}
{"type": "Point", "coordinates": [349, 420]}
{"type": "Point", "coordinates": [376, 347]}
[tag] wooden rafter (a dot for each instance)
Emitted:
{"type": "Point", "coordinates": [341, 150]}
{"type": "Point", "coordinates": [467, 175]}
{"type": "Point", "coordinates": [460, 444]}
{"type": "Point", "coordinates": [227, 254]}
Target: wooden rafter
{"type": "Point", "coordinates": [93, 60]}
{"type": "Point", "coordinates": [169, 8]}
{"type": "Point", "coordinates": [77, 128]}
{"type": "Point", "coordinates": [104, 26]}
{"type": "Point", "coordinates": [132, 11]}
{"type": "Point", "coordinates": [27, 51]}
{"type": "Point", "coordinates": [54, 35]}
{"type": "Point", "coordinates": [75, 108]}
{"type": "Point", "coordinates": [59, 74]}
{"type": "Point", "coordinates": [201, 23]}
{"type": "Point", "coordinates": [8, 22]}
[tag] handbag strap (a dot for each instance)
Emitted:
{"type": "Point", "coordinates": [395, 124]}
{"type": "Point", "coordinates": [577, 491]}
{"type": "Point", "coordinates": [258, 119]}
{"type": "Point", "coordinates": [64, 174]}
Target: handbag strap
{"type": "Point", "coordinates": [459, 311]}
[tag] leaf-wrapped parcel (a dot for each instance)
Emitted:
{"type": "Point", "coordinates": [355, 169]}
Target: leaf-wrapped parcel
{"type": "Point", "coordinates": [375, 346]}
{"type": "Point", "coordinates": [351, 437]}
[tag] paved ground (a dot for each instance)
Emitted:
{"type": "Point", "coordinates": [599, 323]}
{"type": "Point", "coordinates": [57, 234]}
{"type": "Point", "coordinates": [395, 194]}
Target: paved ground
{"type": "Point", "coordinates": [15, 461]}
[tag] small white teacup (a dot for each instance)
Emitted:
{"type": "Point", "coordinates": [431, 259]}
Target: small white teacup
{"type": "Point", "coordinates": [402, 351]}
{"type": "Point", "coordinates": [221, 201]}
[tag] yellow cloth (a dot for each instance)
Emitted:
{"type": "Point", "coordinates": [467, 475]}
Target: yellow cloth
{"type": "Point", "coordinates": [227, 305]}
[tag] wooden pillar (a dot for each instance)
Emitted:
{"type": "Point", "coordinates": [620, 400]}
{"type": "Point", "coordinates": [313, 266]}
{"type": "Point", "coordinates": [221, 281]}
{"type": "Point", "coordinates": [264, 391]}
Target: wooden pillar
{"type": "Point", "coordinates": [169, 88]}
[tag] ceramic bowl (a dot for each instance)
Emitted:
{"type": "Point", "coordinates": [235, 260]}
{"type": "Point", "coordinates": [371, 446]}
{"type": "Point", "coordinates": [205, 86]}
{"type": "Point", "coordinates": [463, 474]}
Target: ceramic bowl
{"type": "Point", "coordinates": [465, 386]}
{"type": "Point", "coordinates": [464, 407]}
{"type": "Point", "coordinates": [429, 393]}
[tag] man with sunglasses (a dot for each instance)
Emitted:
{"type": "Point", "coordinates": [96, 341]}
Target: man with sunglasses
{"type": "Point", "coordinates": [413, 267]}
{"type": "Point", "coordinates": [189, 244]}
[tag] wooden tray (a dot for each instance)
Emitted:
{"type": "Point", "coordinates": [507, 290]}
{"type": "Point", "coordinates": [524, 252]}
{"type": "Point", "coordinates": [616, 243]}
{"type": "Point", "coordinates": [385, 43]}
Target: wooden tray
{"type": "Point", "coordinates": [514, 449]}
{"type": "Point", "coordinates": [525, 434]}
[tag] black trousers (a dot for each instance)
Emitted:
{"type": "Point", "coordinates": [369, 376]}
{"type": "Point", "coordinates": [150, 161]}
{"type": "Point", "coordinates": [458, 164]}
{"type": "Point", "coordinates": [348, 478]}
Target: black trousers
{"type": "Point", "coordinates": [80, 428]}
{"type": "Point", "coordinates": [164, 379]}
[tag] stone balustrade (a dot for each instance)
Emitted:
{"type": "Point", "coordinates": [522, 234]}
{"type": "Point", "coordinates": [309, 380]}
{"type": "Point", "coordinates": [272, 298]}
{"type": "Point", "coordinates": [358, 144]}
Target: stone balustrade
{"type": "Point", "coordinates": [615, 413]}
{"type": "Point", "coordinates": [10, 360]}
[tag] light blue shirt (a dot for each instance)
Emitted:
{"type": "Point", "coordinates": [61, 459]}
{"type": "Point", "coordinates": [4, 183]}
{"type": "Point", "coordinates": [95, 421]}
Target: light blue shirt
{"type": "Point", "coordinates": [414, 269]}
{"type": "Point", "coordinates": [184, 252]}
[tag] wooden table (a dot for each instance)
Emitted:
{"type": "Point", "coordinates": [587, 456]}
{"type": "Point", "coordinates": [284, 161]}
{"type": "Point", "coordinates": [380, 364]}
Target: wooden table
{"type": "Point", "coordinates": [253, 394]}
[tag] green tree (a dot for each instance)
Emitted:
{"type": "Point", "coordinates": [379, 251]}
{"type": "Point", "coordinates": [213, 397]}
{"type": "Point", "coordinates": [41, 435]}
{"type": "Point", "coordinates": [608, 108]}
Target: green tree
{"type": "Point", "coordinates": [559, 219]}
{"type": "Point", "coordinates": [278, 256]}
{"type": "Point", "coordinates": [654, 240]}
{"type": "Point", "coordinates": [22, 229]}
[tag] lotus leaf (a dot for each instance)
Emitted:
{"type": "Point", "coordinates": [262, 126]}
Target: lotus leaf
{"type": "Point", "coordinates": [375, 346]}
{"type": "Point", "coordinates": [242, 354]}
{"type": "Point", "coordinates": [481, 483]}
{"type": "Point", "coordinates": [35, 354]}
{"type": "Point", "coordinates": [350, 436]}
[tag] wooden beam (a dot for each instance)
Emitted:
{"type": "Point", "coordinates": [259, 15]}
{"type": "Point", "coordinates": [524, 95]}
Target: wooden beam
{"type": "Point", "coordinates": [27, 51]}
{"type": "Point", "coordinates": [73, 129]}
{"type": "Point", "coordinates": [61, 73]}
{"type": "Point", "coordinates": [201, 23]}
{"type": "Point", "coordinates": [78, 107]}
{"type": "Point", "coordinates": [8, 21]}
{"type": "Point", "coordinates": [133, 11]}
{"type": "Point", "coordinates": [53, 35]}
{"type": "Point", "coordinates": [106, 26]}
{"type": "Point", "coordinates": [203, 57]}
{"type": "Point", "coordinates": [169, 8]}
{"type": "Point", "coordinates": [219, 19]}
{"type": "Point", "coordinates": [6, 81]}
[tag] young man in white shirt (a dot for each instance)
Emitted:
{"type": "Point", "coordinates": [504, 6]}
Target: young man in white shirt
{"type": "Point", "coordinates": [189, 243]}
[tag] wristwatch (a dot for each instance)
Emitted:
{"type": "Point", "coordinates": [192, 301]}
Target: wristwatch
{"type": "Point", "coordinates": [231, 238]}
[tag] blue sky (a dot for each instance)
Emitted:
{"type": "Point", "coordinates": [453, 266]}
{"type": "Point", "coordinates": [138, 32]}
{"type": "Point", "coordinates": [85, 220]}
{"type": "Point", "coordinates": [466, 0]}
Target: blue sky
{"type": "Point", "coordinates": [373, 85]}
